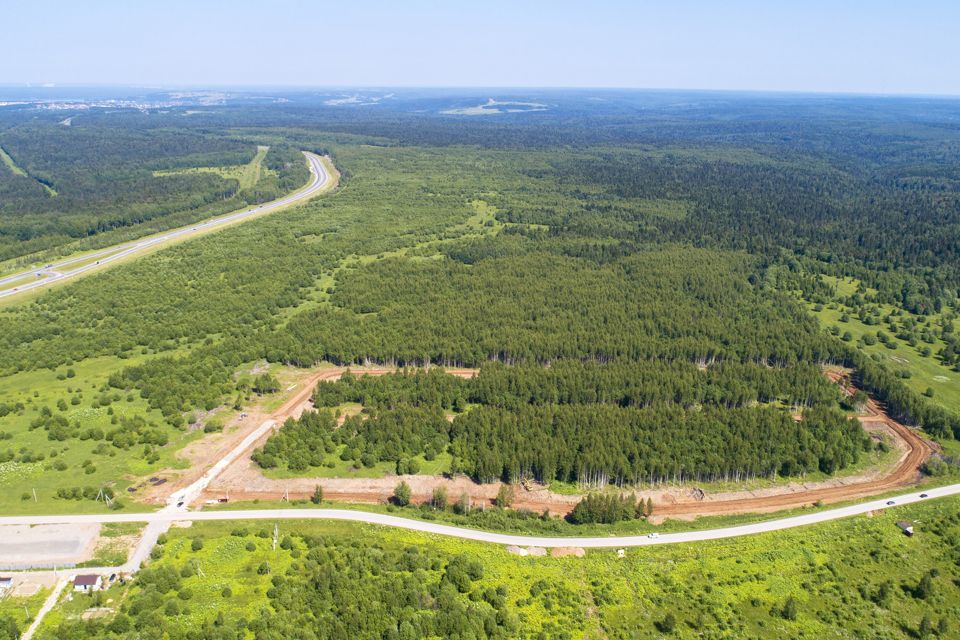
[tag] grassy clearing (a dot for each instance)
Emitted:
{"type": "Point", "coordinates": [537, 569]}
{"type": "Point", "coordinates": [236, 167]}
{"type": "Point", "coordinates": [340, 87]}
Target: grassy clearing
{"type": "Point", "coordinates": [62, 464]}
{"type": "Point", "coordinates": [926, 372]}
{"type": "Point", "coordinates": [247, 175]}
{"type": "Point", "coordinates": [18, 171]}
{"type": "Point", "coordinates": [22, 610]}
{"type": "Point", "coordinates": [10, 164]}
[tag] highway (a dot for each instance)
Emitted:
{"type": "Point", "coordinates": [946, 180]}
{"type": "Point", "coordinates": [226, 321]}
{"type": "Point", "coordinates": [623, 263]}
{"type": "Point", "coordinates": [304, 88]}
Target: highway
{"type": "Point", "coordinates": [171, 514]}
{"type": "Point", "coordinates": [58, 271]}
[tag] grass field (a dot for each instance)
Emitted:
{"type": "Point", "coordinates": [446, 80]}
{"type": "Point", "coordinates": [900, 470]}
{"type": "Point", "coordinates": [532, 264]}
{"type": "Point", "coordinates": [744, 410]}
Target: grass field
{"type": "Point", "coordinates": [22, 610]}
{"type": "Point", "coordinates": [10, 164]}
{"type": "Point", "coordinates": [18, 171]}
{"type": "Point", "coordinates": [247, 175]}
{"type": "Point", "coordinates": [44, 465]}
{"type": "Point", "coordinates": [925, 371]}
{"type": "Point", "coordinates": [859, 577]}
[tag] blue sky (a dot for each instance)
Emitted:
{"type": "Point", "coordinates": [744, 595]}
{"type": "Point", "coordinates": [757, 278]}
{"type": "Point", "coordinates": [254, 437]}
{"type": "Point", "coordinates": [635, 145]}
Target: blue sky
{"type": "Point", "coordinates": [878, 46]}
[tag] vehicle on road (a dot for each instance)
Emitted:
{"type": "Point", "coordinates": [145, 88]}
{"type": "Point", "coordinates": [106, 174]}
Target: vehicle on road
{"type": "Point", "coordinates": [891, 502]}
{"type": "Point", "coordinates": [180, 504]}
{"type": "Point", "coordinates": [654, 535]}
{"type": "Point", "coordinates": [924, 495]}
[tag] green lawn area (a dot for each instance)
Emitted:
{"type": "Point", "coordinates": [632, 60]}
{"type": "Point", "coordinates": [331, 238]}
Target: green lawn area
{"type": "Point", "coordinates": [36, 463]}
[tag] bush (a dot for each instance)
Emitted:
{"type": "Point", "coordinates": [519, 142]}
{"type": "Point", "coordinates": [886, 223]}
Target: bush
{"type": "Point", "coordinates": [196, 545]}
{"type": "Point", "coordinates": [505, 496]}
{"type": "Point", "coordinates": [401, 494]}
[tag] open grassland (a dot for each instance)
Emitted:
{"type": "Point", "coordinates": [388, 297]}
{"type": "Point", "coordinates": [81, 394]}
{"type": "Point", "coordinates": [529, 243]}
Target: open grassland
{"type": "Point", "coordinates": [860, 577]}
{"type": "Point", "coordinates": [10, 164]}
{"type": "Point", "coordinates": [924, 371]}
{"type": "Point", "coordinates": [64, 430]}
{"type": "Point", "coordinates": [246, 175]}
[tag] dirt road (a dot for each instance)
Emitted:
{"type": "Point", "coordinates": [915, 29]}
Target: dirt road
{"type": "Point", "coordinates": [208, 451]}
{"type": "Point", "coordinates": [243, 480]}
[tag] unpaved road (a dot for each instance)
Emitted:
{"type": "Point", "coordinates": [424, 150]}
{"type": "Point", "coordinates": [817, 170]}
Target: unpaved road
{"type": "Point", "coordinates": [57, 271]}
{"type": "Point", "coordinates": [243, 480]}
{"type": "Point", "coordinates": [236, 447]}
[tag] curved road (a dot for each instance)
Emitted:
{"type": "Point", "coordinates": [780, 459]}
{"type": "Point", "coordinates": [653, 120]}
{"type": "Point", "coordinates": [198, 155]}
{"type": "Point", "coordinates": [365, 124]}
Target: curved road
{"type": "Point", "coordinates": [55, 271]}
{"type": "Point", "coordinates": [168, 515]}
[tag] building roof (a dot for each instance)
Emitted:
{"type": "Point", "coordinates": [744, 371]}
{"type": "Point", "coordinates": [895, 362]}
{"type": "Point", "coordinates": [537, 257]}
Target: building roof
{"type": "Point", "coordinates": [86, 580]}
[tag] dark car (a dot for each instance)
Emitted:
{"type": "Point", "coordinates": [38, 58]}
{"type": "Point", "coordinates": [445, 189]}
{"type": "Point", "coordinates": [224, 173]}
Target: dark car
{"type": "Point", "coordinates": [923, 495]}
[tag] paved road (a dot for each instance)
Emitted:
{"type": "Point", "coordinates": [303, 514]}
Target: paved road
{"type": "Point", "coordinates": [56, 271]}
{"type": "Point", "coordinates": [169, 514]}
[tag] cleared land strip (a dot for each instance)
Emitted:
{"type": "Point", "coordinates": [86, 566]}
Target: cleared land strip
{"type": "Point", "coordinates": [58, 271]}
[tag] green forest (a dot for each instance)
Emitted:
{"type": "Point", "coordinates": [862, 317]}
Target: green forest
{"type": "Point", "coordinates": [585, 423]}
{"type": "Point", "coordinates": [650, 293]}
{"type": "Point", "coordinates": [89, 186]}
{"type": "Point", "coordinates": [617, 317]}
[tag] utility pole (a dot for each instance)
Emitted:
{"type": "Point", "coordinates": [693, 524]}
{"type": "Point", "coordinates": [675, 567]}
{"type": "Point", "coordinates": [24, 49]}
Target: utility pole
{"type": "Point", "coordinates": [35, 495]}
{"type": "Point", "coordinates": [276, 533]}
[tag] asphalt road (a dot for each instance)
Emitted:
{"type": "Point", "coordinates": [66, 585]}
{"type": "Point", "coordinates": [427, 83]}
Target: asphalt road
{"type": "Point", "coordinates": [57, 271]}
{"type": "Point", "coordinates": [169, 514]}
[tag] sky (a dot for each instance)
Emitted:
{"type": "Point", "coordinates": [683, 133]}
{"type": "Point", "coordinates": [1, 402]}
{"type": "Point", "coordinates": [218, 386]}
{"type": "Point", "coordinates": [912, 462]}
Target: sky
{"type": "Point", "coordinates": [855, 46]}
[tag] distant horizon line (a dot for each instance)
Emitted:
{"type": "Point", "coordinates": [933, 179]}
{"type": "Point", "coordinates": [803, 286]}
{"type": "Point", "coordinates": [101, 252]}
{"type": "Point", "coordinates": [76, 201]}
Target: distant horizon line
{"type": "Point", "coordinates": [385, 87]}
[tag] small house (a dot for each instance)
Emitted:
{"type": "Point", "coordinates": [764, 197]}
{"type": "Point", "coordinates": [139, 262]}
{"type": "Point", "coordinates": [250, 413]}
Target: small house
{"type": "Point", "coordinates": [87, 583]}
{"type": "Point", "coordinates": [906, 527]}
{"type": "Point", "coordinates": [6, 583]}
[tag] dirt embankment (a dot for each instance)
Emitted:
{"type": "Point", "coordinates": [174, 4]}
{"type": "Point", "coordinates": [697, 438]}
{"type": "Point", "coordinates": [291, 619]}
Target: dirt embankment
{"type": "Point", "coordinates": [244, 481]}
{"type": "Point", "coordinates": [204, 453]}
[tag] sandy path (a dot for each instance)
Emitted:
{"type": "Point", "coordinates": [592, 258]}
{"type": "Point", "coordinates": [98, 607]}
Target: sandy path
{"type": "Point", "coordinates": [207, 451]}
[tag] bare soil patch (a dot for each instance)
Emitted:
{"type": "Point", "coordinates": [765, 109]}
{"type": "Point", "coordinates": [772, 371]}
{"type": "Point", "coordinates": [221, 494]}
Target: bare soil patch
{"type": "Point", "coordinates": [244, 481]}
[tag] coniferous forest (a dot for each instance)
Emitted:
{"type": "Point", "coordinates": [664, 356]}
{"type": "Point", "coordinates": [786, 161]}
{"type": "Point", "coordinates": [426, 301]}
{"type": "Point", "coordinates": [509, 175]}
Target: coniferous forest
{"type": "Point", "coordinates": [649, 293]}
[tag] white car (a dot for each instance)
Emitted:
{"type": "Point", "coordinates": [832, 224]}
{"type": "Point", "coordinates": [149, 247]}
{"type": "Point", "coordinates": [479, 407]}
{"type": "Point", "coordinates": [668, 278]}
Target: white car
{"type": "Point", "coordinates": [653, 535]}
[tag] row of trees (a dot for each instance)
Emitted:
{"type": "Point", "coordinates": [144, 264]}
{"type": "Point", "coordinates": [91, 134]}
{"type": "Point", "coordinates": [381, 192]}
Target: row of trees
{"type": "Point", "coordinates": [596, 443]}
{"type": "Point", "coordinates": [623, 383]}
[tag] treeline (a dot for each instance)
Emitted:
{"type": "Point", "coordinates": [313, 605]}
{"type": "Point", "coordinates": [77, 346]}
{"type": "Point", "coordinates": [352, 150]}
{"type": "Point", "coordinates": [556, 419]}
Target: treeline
{"type": "Point", "coordinates": [601, 444]}
{"type": "Point", "coordinates": [103, 181]}
{"type": "Point", "coordinates": [525, 426]}
{"type": "Point", "coordinates": [670, 303]}
{"type": "Point", "coordinates": [636, 384]}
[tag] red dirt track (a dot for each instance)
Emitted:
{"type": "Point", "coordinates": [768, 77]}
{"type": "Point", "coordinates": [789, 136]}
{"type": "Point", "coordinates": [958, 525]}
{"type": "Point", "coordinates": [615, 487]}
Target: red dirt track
{"type": "Point", "coordinates": [244, 481]}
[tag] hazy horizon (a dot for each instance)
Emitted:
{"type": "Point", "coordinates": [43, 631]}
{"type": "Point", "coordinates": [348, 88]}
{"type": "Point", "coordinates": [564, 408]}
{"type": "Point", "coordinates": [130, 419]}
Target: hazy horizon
{"type": "Point", "coordinates": [871, 48]}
